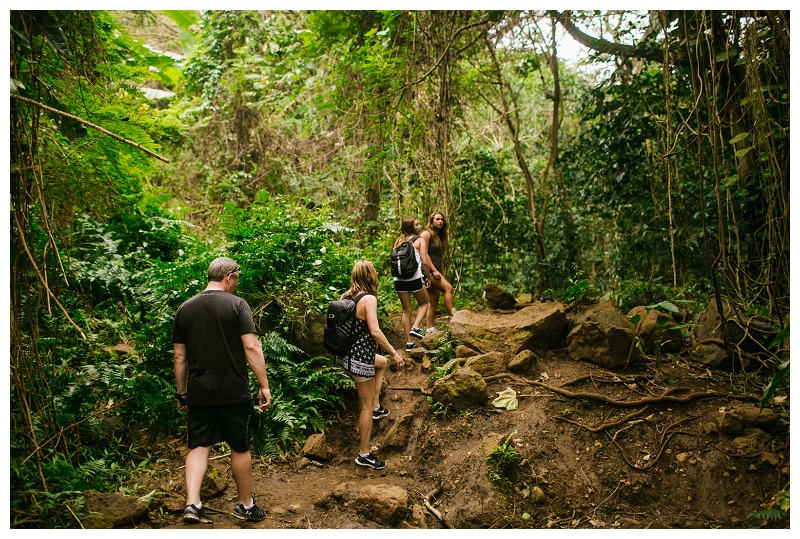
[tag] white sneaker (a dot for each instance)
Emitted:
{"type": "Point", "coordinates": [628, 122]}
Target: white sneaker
{"type": "Point", "coordinates": [430, 330]}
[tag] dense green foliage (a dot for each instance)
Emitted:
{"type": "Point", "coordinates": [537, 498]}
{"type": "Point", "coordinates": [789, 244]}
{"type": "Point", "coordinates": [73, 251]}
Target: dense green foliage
{"type": "Point", "coordinates": [296, 141]}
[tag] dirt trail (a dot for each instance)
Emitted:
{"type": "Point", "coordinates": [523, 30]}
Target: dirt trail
{"type": "Point", "coordinates": [600, 465]}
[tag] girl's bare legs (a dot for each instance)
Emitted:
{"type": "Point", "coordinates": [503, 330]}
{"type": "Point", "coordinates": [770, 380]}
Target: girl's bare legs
{"type": "Point", "coordinates": [433, 296]}
{"type": "Point", "coordinates": [380, 369]}
{"type": "Point", "coordinates": [366, 396]}
{"type": "Point", "coordinates": [405, 301]}
{"type": "Point", "coordinates": [422, 306]}
{"type": "Point", "coordinates": [437, 287]}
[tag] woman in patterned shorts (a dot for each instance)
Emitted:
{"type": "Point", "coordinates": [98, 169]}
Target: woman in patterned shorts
{"type": "Point", "coordinates": [362, 363]}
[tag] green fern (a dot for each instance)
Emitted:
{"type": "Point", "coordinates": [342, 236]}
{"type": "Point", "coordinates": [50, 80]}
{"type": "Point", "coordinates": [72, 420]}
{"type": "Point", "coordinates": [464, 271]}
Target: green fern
{"type": "Point", "coordinates": [769, 514]}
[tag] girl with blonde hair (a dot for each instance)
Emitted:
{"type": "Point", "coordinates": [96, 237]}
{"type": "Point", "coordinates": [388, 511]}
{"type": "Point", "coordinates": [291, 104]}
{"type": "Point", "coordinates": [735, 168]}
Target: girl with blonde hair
{"type": "Point", "coordinates": [364, 365]}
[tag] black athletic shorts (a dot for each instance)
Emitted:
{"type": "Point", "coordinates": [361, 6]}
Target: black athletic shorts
{"type": "Point", "coordinates": [409, 286]}
{"type": "Point", "coordinates": [209, 425]}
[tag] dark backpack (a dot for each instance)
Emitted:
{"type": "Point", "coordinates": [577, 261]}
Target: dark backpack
{"type": "Point", "coordinates": [403, 260]}
{"type": "Point", "coordinates": [338, 335]}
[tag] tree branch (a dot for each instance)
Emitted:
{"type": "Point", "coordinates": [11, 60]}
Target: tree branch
{"type": "Point", "coordinates": [89, 124]}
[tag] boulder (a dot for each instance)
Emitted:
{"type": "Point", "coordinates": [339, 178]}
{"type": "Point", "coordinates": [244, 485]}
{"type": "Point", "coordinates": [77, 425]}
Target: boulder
{"type": "Point", "coordinates": [488, 364]}
{"type": "Point", "coordinates": [712, 356]}
{"type": "Point", "coordinates": [497, 298]}
{"type": "Point", "coordinates": [316, 447]}
{"type": "Point", "coordinates": [522, 362]}
{"type": "Point", "coordinates": [541, 326]}
{"type": "Point", "coordinates": [765, 419]}
{"type": "Point", "coordinates": [431, 340]}
{"type": "Point", "coordinates": [107, 511]}
{"type": "Point", "coordinates": [462, 389]}
{"type": "Point", "coordinates": [601, 336]}
{"type": "Point", "coordinates": [650, 332]}
{"type": "Point", "coordinates": [385, 504]}
{"type": "Point", "coordinates": [465, 351]}
{"type": "Point", "coordinates": [399, 433]}
{"type": "Point", "coordinates": [751, 333]}
{"type": "Point", "coordinates": [601, 313]}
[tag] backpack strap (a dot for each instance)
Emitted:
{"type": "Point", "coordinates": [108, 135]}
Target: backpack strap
{"type": "Point", "coordinates": [355, 300]}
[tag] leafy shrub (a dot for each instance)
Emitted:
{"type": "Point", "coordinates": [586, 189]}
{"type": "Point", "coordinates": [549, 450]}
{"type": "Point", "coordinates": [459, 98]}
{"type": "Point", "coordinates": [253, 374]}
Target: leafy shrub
{"type": "Point", "coordinates": [304, 392]}
{"type": "Point", "coordinates": [502, 462]}
{"type": "Point", "coordinates": [294, 259]}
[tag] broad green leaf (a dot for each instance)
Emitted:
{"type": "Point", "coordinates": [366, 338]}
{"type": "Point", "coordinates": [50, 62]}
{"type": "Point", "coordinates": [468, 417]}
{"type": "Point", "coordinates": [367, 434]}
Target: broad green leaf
{"type": "Point", "coordinates": [184, 18]}
{"type": "Point", "coordinates": [739, 137]}
{"type": "Point", "coordinates": [782, 334]}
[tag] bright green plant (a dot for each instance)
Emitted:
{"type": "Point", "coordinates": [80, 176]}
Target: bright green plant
{"type": "Point", "coordinates": [294, 260]}
{"type": "Point", "coordinates": [502, 462]}
{"type": "Point", "coordinates": [780, 374]}
{"type": "Point", "coordinates": [438, 409]}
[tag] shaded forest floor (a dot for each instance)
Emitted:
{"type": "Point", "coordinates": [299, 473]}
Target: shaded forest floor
{"type": "Point", "coordinates": [660, 464]}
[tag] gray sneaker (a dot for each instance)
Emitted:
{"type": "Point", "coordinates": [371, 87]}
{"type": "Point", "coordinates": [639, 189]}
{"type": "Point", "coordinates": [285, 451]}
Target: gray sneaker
{"type": "Point", "coordinates": [254, 514]}
{"type": "Point", "coordinates": [193, 514]}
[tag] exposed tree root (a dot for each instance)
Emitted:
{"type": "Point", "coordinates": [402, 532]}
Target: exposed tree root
{"type": "Point", "coordinates": [435, 512]}
{"type": "Point", "coordinates": [605, 426]}
{"type": "Point", "coordinates": [666, 397]}
{"type": "Point", "coordinates": [665, 438]}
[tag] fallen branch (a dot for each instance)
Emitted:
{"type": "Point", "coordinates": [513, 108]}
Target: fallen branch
{"type": "Point", "coordinates": [435, 512]}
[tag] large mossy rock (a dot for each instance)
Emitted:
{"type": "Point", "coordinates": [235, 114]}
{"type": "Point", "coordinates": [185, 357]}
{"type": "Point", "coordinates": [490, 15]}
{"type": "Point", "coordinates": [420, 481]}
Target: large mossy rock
{"type": "Point", "coordinates": [488, 364]}
{"type": "Point", "coordinates": [461, 390]}
{"type": "Point", "coordinates": [107, 511]}
{"type": "Point", "coordinates": [541, 326]}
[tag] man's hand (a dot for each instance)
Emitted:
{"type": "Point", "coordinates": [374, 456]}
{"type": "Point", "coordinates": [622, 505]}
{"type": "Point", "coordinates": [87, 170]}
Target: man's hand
{"type": "Point", "coordinates": [264, 398]}
{"type": "Point", "coordinates": [181, 399]}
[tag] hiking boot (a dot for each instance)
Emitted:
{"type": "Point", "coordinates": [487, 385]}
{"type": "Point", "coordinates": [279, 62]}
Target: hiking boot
{"type": "Point", "coordinates": [193, 514]}
{"type": "Point", "coordinates": [379, 412]}
{"type": "Point", "coordinates": [254, 514]}
{"type": "Point", "coordinates": [409, 346]}
{"type": "Point", "coordinates": [416, 332]}
{"type": "Point", "coordinates": [370, 461]}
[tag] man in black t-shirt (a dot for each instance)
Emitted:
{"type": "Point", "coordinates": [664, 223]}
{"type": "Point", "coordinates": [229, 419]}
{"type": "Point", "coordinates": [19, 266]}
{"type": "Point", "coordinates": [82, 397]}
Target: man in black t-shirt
{"type": "Point", "coordinates": [214, 341]}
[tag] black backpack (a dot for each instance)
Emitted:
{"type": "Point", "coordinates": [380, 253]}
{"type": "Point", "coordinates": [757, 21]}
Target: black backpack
{"type": "Point", "coordinates": [403, 260]}
{"type": "Point", "coordinates": [341, 322]}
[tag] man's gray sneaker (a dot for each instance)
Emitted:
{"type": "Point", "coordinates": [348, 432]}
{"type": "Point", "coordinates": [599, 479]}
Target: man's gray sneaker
{"type": "Point", "coordinates": [254, 514]}
{"type": "Point", "coordinates": [193, 514]}
{"type": "Point", "coordinates": [370, 461]}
